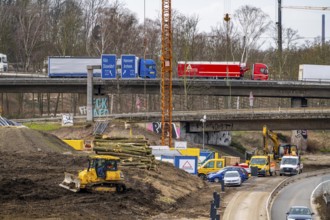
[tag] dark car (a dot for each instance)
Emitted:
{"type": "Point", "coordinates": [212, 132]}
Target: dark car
{"type": "Point", "coordinates": [299, 212]}
{"type": "Point", "coordinates": [218, 176]}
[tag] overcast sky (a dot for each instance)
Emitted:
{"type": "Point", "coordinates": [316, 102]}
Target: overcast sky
{"type": "Point", "coordinates": [211, 12]}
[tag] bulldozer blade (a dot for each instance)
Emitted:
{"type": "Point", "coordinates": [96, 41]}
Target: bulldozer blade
{"type": "Point", "coordinates": [70, 182]}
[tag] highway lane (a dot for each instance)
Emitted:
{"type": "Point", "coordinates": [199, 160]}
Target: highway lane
{"type": "Point", "coordinates": [249, 203]}
{"type": "Point", "coordinates": [297, 193]}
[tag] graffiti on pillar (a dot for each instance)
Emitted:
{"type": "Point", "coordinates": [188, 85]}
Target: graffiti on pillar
{"type": "Point", "coordinates": [83, 110]}
{"type": "Point", "coordinates": [100, 107]}
{"type": "Point", "coordinates": [157, 128]}
{"type": "Point", "coordinates": [222, 126]}
{"type": "Point", "coordinates": [219, 138]}
{"type": "Point", "coordinates": [301, 134]}
{"type": "Point", "coordinates": [299, 138]}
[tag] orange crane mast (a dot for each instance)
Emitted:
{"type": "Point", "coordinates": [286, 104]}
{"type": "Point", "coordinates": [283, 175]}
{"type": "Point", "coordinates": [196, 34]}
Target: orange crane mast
{"type": "Point", "coordinates": [166, 83]}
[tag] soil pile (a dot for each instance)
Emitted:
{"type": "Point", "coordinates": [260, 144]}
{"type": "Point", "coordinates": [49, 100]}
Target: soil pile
{"type": "Point", "coordinates": [29, 185]}
{"type": "Point", "coordinates": [22, 139]}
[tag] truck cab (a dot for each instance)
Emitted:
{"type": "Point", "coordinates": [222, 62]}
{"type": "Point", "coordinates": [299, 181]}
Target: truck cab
{"type": "Point", "coordinates": [259, 72]}
{"type": "Point", "coordinates": [210, 166]}
{"type": "Point", "coordinates": [3, 63]}
{"type": "Point", "coordinates": [264, 163]}
{"type": "Point", "coordinates": [147, 68]}
{"type": "Point", "coordinates": [290, 165]}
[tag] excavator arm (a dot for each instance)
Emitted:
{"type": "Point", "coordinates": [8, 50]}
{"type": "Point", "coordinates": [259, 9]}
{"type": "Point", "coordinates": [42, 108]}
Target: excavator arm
{"type": "Point", "coordinates": [268, 134]}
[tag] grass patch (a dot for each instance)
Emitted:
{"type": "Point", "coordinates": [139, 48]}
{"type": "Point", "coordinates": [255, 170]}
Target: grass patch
{"type": "Point", "coordinates": [43, 126]}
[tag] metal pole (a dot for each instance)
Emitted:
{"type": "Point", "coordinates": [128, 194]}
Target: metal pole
{"type": "Point", "coordinates": [280, 26]}
{"type": "Point", "coordinates": [89, 94]}
{"type": "Point", "coordinates": [323, 29]}
{"type": "Point", "coordinates": [203, 133]}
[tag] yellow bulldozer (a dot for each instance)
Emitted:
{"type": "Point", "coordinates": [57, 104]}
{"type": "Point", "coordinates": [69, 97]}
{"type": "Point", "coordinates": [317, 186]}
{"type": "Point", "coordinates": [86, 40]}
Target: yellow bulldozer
{"type": "Point", "coordinates": [101, 175]}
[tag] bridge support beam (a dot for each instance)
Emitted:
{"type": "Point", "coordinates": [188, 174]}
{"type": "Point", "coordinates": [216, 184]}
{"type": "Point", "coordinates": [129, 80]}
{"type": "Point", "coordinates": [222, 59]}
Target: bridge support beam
{"type": "Point", "coordinates": [299, 137]}
{"type": "Point", "coordinates": [90, 93]}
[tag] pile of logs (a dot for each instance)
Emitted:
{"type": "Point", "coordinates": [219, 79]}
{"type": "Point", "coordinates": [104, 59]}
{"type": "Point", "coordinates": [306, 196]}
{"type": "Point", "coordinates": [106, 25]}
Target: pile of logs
{"type": "Point", "coordinates": [133, 151]}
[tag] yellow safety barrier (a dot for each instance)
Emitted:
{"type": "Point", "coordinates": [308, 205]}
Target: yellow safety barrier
{"type": "Point", "coordinates": [189, 151]}
{"type": "Point", "coordinates": [75, 144]}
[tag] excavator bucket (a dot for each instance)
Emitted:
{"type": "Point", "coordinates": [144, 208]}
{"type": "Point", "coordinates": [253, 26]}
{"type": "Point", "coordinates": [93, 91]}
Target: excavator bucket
{"type": "Point", "coordinates": [71, 182]}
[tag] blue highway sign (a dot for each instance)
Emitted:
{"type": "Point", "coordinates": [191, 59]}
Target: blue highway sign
{"type": "Point", "coordinates": [108, 66]}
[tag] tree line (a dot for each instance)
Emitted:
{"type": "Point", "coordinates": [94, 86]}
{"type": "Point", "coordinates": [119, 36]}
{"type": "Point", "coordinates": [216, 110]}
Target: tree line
{"type": "Point", "coordinates": [32, 30]}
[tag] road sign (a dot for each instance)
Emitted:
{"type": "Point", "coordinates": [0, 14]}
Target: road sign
{"type": "Point", "coordinates": [180, 144]}
{"type": "Point", "coordinates": [187, 163]}
{"type": "Point", "coordinates": [108, 66]}
{"type": "Point", "coordinates": [128, 66]}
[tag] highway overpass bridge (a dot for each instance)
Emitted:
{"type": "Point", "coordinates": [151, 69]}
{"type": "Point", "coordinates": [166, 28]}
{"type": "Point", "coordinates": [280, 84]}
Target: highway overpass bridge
{"type": "Point", "coordinates": [219, 122]}
{"type": "Point", "coordinates": [243, 119]}
{"type": "Point", "coordinates": [228, 119]}
{"type": "Point", "coordinates": [278, 89]}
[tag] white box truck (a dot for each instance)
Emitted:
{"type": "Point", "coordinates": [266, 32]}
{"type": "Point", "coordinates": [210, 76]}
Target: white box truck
{"type": "Point", "coordinates": [3, 63]}
{"type": "Point", "coordinates": [309, 72]}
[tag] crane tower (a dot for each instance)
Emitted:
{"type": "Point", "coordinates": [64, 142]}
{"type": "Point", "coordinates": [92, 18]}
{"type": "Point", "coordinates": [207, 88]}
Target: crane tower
{"type": "Point", "coordinates": [166, 82]}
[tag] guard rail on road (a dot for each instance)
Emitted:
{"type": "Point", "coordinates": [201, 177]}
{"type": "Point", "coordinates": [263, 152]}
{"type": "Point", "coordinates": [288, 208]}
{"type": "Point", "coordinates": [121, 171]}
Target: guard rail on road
{"type": "Point", "coordinates": [290, 180]}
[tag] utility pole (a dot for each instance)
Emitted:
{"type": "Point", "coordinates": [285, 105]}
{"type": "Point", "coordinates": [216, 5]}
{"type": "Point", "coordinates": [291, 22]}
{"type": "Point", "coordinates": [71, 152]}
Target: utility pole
{"type": "Point", "coordinates": [279, 25]}
{"type": "Point", "coordinates": [323, 29]}
{"type": "Point", "coordinates": [279, 38]}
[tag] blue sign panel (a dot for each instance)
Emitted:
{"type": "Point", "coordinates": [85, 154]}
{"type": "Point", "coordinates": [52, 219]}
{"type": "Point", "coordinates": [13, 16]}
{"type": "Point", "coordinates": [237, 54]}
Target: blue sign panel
{"type": "Point", "coordinates": [108, 66]}
{"type": "Point", "coordinates": [128, 66]}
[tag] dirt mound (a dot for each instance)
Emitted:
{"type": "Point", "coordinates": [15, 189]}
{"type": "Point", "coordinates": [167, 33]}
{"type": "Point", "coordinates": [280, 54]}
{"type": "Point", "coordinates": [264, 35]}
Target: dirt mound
{"type": "Point", "coordinates": [32, 165]}
{"type": "Point", "coordinates": [33, 179]}
{"type": "Point", "coordinates": [22, 139]}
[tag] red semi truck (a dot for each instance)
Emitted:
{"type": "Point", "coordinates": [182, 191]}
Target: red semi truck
{"type": "Point", "coordinates": [221, 70]}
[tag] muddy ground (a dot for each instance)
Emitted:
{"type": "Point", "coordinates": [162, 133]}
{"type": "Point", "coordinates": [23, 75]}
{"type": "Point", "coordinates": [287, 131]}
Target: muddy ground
{"type": "Point", "coordinates": [32, 164]}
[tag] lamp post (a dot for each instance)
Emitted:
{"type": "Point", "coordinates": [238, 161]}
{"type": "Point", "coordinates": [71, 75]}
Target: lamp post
{"type": "Point", "coordinates": [203, 120]}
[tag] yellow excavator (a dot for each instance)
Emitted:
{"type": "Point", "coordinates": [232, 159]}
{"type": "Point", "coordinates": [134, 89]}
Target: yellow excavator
{"type": "Point", "coordinates": [279, 149]}
{"type": "Point", "coordinates": [101, 175]}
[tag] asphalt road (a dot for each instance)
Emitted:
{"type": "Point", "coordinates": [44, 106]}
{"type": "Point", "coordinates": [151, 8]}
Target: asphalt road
{"type": "Point", "coordinates": [297, 193]}
{"type": "Point", "coordinates": [250, 202]}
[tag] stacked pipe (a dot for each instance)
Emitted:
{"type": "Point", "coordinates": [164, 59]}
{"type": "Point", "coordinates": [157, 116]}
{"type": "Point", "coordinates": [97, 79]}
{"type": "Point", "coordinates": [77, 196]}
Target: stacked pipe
{"type": "Point", "coordinates": [132, 151]}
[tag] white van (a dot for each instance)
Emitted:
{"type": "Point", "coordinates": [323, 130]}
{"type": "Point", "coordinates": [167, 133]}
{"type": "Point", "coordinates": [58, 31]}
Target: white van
{"type": "Point", "coordinates": [290, 165]}
{"type": "Point", "coordinates": [3, 63]}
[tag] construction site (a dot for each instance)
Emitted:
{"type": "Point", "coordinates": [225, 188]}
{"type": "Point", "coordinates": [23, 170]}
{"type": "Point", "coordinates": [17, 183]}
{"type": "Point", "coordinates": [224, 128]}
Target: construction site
{"type": "Point", "coordinates": [33, 164]}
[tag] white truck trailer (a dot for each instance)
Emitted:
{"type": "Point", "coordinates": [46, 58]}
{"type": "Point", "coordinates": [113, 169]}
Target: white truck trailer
{"type": "Point", "coordinates": [309, 72]}
{"type": "Point", "coordinates": [3, 63]}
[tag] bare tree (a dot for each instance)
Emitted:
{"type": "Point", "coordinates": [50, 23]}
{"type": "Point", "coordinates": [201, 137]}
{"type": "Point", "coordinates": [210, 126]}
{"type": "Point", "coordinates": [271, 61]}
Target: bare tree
{"type": "Point", "coordinates": [252, 22]}
{"type": "Point", "coordinates": [117, 31]}
{"type": "Point", "coordinates": [91, 9]}
{"type": "Point", "coordinates": [30, 20]}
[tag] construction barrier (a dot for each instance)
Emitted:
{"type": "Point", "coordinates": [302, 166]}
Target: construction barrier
{"type": "Point", "coordinates": [75, 144]}
{"type": "Point", "coordinates": [215, 205]}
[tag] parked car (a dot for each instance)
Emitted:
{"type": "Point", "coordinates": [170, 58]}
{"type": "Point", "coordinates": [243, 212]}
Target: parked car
{"type": "Point", "coordinates": [218, 176]}
{"type": "Point", "coordinates": [232, 178]}
{"type": "Point", "coordinates": [245, 175]}
{"type": "Point", "coordinates": [299, 212]}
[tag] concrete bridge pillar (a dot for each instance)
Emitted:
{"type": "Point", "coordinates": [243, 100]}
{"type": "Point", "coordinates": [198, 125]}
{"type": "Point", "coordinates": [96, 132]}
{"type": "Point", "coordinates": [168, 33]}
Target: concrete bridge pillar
{"type": "Point", "coordinates": [299, 137]}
